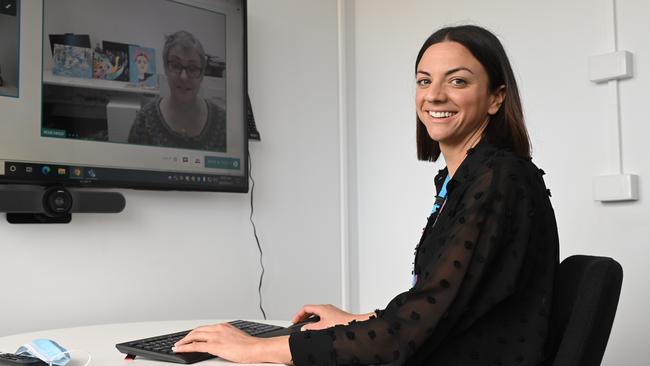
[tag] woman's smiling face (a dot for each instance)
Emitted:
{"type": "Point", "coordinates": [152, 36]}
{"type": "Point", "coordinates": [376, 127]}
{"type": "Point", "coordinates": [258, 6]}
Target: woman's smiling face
{"type": "Point", "coordinates": [452, 97]}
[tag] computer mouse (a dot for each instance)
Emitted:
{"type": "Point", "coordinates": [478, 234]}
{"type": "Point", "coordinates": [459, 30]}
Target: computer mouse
{"type": "Point", "coordinates": [311, 319]}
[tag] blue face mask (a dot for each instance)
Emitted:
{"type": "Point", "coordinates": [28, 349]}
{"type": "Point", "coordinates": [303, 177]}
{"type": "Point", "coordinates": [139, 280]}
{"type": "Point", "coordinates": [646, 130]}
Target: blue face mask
{"type": "Point", "coordinates": [46, 350]}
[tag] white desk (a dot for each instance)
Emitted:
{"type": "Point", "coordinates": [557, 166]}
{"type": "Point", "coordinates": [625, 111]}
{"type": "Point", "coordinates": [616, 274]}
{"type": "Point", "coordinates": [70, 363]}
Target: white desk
{"type": "Point", "coordinates": [100, 340]}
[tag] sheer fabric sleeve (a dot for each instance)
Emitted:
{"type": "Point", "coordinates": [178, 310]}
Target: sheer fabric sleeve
{"type": "Point", "coordinates": [455, 272]}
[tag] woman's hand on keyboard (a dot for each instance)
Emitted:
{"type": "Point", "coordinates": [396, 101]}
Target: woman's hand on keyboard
{"type": "Point", "coordinates": [329, 315]}
{"type": "Point", "coordinates": [232, 344]}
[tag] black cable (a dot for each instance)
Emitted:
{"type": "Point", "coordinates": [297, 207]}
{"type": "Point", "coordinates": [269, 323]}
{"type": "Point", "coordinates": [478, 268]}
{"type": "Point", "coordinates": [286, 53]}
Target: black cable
{"type": "Point", "coordinates": [257, 239]}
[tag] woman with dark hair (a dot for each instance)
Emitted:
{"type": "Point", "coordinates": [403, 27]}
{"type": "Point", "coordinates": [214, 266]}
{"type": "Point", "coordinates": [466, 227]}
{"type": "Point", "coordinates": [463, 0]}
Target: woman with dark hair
{"type": "Point", "coordinates": [484, 267]}
{"type": "Point", "coordinates": [506, 127]}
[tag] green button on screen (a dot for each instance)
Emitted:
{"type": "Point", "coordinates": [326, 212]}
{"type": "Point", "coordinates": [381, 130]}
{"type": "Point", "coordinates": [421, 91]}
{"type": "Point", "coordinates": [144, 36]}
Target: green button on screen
{"type": "Point", "coordinates": [215, 162]}
{"type": "Point", "coordinates": [51, 132]}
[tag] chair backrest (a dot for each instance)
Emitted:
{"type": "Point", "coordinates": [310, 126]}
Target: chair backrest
{"type": "Point", "coordinates": [585, 300]}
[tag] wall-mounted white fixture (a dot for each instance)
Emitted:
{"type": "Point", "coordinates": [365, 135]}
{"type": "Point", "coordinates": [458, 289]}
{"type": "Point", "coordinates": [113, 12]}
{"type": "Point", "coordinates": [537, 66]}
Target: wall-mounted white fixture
{"type": "Point", "coordinates": [616, 187]}
{"type": "Point", "coordinates": [610, 68]}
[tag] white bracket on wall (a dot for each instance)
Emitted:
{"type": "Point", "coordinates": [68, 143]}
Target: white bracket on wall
{"type": "Point", "coordinates": [610, 66]}
{"type": "Point", "coordinates": [616, 188]}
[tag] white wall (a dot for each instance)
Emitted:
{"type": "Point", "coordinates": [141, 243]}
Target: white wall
{"type": "Point", "coordinates": [9, 48]}
{"type": "Point", "coordinates": [180, 255]}
{"type": "Point", "coordinates": [549, 44]}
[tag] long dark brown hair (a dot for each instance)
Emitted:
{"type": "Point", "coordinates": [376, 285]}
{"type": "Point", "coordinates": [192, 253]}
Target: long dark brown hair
{"type": "Point", "coordinates": [506, 128]}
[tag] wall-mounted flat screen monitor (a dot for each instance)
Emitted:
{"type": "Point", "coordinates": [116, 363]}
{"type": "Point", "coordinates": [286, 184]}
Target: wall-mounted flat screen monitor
{"type": "Point", "coordinates": [129, 93]}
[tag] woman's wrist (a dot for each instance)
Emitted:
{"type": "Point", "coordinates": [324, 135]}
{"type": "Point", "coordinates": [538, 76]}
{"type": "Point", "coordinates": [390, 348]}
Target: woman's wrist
{"type": "Point", "coordinates": [274, 350]}
{"type": "Point", "coordinates": [364, 317]}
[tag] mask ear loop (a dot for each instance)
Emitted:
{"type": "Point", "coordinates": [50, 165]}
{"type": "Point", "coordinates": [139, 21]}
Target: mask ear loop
{"type": "Point", "coordinates": [73, 350]}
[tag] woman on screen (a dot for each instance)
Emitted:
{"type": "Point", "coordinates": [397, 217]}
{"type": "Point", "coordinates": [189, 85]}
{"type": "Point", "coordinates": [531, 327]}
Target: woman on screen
{"type": "Point", "coordinates": [484, 267]}
{"type": "Point", "coordinates": [182, 119]}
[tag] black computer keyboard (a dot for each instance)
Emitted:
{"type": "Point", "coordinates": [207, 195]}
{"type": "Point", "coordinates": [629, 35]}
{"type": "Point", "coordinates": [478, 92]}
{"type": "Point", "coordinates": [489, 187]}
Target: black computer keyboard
{"type": "Point", "coordinates": [160, 347]}
{"type": "Point", "coordinates": [11, 359]}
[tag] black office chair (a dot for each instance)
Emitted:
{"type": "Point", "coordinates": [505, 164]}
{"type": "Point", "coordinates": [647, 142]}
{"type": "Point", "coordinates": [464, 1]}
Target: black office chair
{"type": "Point", "coordinates": [584, 305]}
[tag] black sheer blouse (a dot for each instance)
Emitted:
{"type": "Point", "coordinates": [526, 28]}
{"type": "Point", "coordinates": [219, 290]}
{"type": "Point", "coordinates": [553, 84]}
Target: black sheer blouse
{"type": "Point", "coordinates": [485, 278]}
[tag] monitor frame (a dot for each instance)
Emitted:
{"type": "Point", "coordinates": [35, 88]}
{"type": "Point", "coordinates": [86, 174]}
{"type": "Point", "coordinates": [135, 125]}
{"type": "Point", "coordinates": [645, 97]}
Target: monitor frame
{"type": "Point", "coordinates": [139, 179]}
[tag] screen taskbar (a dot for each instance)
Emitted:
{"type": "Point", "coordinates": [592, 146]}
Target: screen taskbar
{"type": "Point", "coordinates": [84, 176]}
